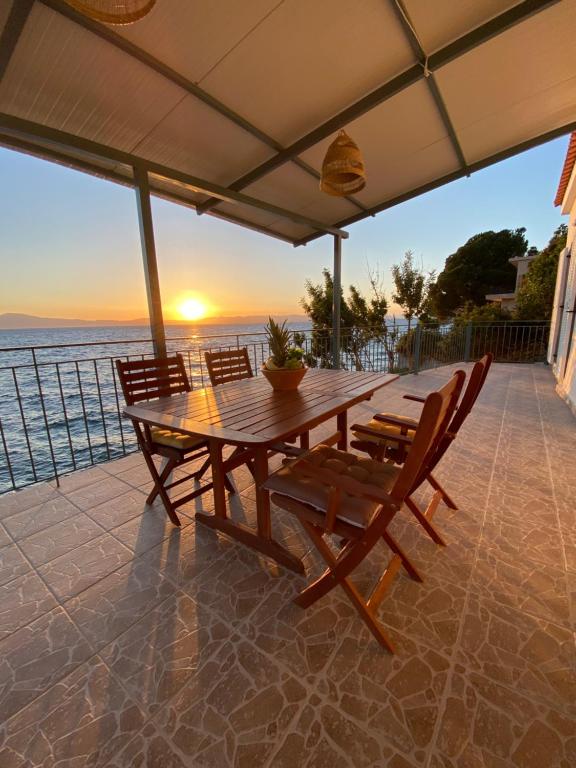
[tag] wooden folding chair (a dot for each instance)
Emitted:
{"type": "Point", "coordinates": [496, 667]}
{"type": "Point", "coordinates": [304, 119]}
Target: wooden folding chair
{"type": "Point", "coordinates": [228, 365]}
{"type": "Point", "coordinates": [389, 436]}
{"type": "Point", "coordinates": [143, 380]}
{"type": "Point", "coordinates": [354, 498]}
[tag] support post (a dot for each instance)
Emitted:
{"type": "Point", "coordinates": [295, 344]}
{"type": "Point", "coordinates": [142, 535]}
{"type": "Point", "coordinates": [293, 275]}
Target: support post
{"type": "Point", "coordinates": [417, 347]}
{"type": "Point", "coordinates": [467, 342]}
{"type": "Point", "coordinates": [337, 289]}
{"type": "Point", "coordinates": [150, 264]}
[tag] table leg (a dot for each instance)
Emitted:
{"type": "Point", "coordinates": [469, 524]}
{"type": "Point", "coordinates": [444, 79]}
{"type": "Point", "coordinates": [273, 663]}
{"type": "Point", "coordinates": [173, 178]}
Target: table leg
{"type": "Point", "coordinates": [219, 489]}
{"type": "Point", "coordinates": [262, 495]}
{"type": "Point", "coordinates": [305, 440]}
{"type": "Point", "coordinates": [342, 425]}
{"type": "Point", "coordinates": [260, 540]}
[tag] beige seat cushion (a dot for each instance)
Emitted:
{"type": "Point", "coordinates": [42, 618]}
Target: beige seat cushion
{"type": "Point", "coordinates": [357, 511]}
{"type": "Point", "coordinates": [174, 439]}
{"type": "Point", "coordinates": [387, 430]}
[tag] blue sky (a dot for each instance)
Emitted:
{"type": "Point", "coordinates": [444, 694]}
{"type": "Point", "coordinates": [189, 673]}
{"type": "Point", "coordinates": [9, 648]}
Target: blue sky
{"type": "Point", "coordinates": [69, 243]}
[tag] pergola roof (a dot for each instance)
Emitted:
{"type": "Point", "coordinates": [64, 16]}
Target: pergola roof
{"type": "Point", "coordinates": [230, 106]}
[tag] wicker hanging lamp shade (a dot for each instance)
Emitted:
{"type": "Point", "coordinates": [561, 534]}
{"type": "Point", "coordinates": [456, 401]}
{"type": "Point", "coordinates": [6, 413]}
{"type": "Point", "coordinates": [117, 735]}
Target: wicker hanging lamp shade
{"type": "Point", "coordinates": [114, 11]}
{"type": "Point", "coordinates": [343, 171]}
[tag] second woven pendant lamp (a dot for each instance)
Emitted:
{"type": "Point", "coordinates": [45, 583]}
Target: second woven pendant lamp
{"type": "Point", "coordinates": [114, 11]}
{"type": "Point", "coordinates": [343, 171]}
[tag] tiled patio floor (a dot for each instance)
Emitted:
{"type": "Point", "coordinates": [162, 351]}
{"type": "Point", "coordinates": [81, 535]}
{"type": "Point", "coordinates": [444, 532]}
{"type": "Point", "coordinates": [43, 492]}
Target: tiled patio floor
{"type": "Point", "coordinates": [126, 642]}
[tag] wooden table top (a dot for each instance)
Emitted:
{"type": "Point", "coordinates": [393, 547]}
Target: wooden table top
{"type": "Point", "coordinates": [250, 412]}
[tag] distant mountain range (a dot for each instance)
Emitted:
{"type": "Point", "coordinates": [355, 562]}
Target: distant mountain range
{"type": "Point", "coordinates": [13, 321]}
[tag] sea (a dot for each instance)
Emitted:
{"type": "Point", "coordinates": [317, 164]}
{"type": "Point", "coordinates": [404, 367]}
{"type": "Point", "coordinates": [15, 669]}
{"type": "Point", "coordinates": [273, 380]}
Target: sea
{"type": "Point", "coordinates": [60, 406]}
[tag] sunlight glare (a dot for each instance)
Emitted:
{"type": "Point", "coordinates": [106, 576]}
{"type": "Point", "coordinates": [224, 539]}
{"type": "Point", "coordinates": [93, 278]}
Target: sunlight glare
{"type": "Point", "coordinates": [192, 309]}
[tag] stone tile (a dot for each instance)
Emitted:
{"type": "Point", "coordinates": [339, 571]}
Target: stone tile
{"type": "Point", "coordinates": [92, 495]}
{"type": "Point", "coordinates": [234, 709]}
{"type": "Point", "coordinates": [235, 584]}
{"type": "Point", "coordinates": [35, 519]}
{"type": "Point", "coordinates": [528, 654]}
{"type": "Point", "coordinates": [429, 612]}
{"type": "Point", "coordinates": [79, 479]}
{"type": "Point", "coordinates": [161, 653]}
{"type": "Point", "coordinates": [37, 656]}
{"type": "Point", "coordinates": [181, 558]}
{"type": "Point", "coordinates": [149, 749]}
{"type": "Point", "coordinates": [17, 501]}
{"type": "Point", "coordinates": [108, 608]}
{"type": "Point", "coordinates": [529, 586]}
{"type": "Point", "coordinates": [303, 640]}
{"type": "Point", "coordinates": [138, 476]}
{"type": "Point", "coordinates": [60, 539]}
{"type": "Point", "coordinates": [130, 461]}
{"type": "Point", "coordinates": [79, 569]}
{"type": "Point", "coordinates": [119, 510]}
{"type": "Point", "coordinates": [514, 540]}
{"type": "Point", "coordinates": [369, 708]}
{"type": "Point", "coordinates": [4, 538]}
{"type": "Point", "coordinates": [12, 563]}
{"type": "Point", "coordinates": [83, 720]}
{"type": "Point", "coordinates": [22, 601]}
{"type": "Point", "coordinates": [147, 530]}
{"type": "Point", "coordinates": [487, 724]}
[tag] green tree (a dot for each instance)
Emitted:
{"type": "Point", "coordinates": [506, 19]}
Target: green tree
{"type": "Point", "coordinates": [536, 294]}
{"type": "Point", "coordinates": [362, 320]}
{"type": "Point", "coordinates": [412, 286]}
{"type": "Point", "coordinates": [478, 267]}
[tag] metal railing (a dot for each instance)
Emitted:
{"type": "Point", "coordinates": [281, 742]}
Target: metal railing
{"type": "Point", "coordinates": [60, 405]}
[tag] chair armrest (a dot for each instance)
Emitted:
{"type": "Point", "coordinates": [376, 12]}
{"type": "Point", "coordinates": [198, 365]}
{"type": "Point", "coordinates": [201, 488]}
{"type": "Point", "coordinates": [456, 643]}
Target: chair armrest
{"type": "Point", "coordinates": [393, 421]}
{"type": "Point", "coordinates": [416, 398]}
{"type": "Point", "coordinates": [362, 429]}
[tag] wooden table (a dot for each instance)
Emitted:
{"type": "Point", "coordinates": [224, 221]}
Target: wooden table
{"type": "Point", "coordinates": [252, 417]}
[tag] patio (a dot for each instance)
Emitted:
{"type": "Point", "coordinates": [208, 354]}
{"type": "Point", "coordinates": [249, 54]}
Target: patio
{"type": "Point", "coordinates": [127, 642]}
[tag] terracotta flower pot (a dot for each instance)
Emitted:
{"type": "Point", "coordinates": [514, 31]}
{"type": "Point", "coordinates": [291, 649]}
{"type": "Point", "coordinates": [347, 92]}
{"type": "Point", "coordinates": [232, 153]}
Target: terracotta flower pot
{"type": "Point", "coordinates": [285, 378]}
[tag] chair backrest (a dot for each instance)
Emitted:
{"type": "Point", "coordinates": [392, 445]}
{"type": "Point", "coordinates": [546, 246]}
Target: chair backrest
{"type": "Point", "coordinates": [437, 412]}
{"type": "Point", "coordinates": [473, 389]}
{"type": "Point", "coordinates": [148, 379]}
{"type": "Point", "coordinates": [228, 365]}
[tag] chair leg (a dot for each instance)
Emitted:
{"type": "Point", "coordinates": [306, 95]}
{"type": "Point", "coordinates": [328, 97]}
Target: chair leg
{"type": "Point", "coordinates": [406, 562]}
{"type": "Point", "coordinates": [445, 497]}
{"type": "Point", "coordinates": [423, 518]}
{"type": "Point", "coordinates": [202, 471]}
{"type": "Point", "coordinates": [329, 580]}
{"type": "Point", "coordinates": [164, 475]}
{"type": "Point", "coordinates": [228, 485]}
{"type": "Point", "coordinates": [159, 489]}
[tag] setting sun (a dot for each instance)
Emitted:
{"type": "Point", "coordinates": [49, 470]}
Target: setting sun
{"type": "Point", "coordinates": [191, 309]}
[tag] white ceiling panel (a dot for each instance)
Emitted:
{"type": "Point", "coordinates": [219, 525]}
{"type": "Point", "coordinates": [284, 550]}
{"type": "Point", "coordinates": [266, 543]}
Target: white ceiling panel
{"type": "Point", "coordinates": [290, 187]}
{"type": "Point", "coordinates": [62, 76]}
{"type": "Point", "coordinates": [517, 86]}
{"type": "Point", "coordinates": [192, 37]}
{"type": "Point", "coordinates": [196, 139]}
{"type": "Point", "coordinates": [439, 22]}
{"type": "Point", "coordinates": [403, 141]}
{"type": "Point", "coordinates": [308, 60]}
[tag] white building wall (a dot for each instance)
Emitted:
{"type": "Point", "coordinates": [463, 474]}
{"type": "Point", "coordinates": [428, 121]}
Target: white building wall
{"type": "Point", "coordinates": [562, 348]}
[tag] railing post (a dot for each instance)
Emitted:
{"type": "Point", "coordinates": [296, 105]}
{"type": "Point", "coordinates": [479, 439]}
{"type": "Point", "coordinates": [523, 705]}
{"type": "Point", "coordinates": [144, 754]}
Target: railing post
{"type": "Point", "coordinates": [417, 346]}
{"type": "Point", "coordinates": [150, 264]}
{"type": "Point", "coordinates": [336, 291]}
{"type": "Point", "coordinates": [467, 342]}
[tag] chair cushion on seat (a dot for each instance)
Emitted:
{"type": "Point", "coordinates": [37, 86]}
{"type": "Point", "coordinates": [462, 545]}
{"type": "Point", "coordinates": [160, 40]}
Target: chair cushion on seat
{"type": "Point", "coordinates": [357, 511]}
{"type": "Point", "coordinates": [174, 439]}
{"type": "Point", "coordinates": [387, 430]}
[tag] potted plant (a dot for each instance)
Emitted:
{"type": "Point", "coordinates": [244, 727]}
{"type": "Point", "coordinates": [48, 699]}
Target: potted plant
{"type": "Point", "coordinates": [284, 368]}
